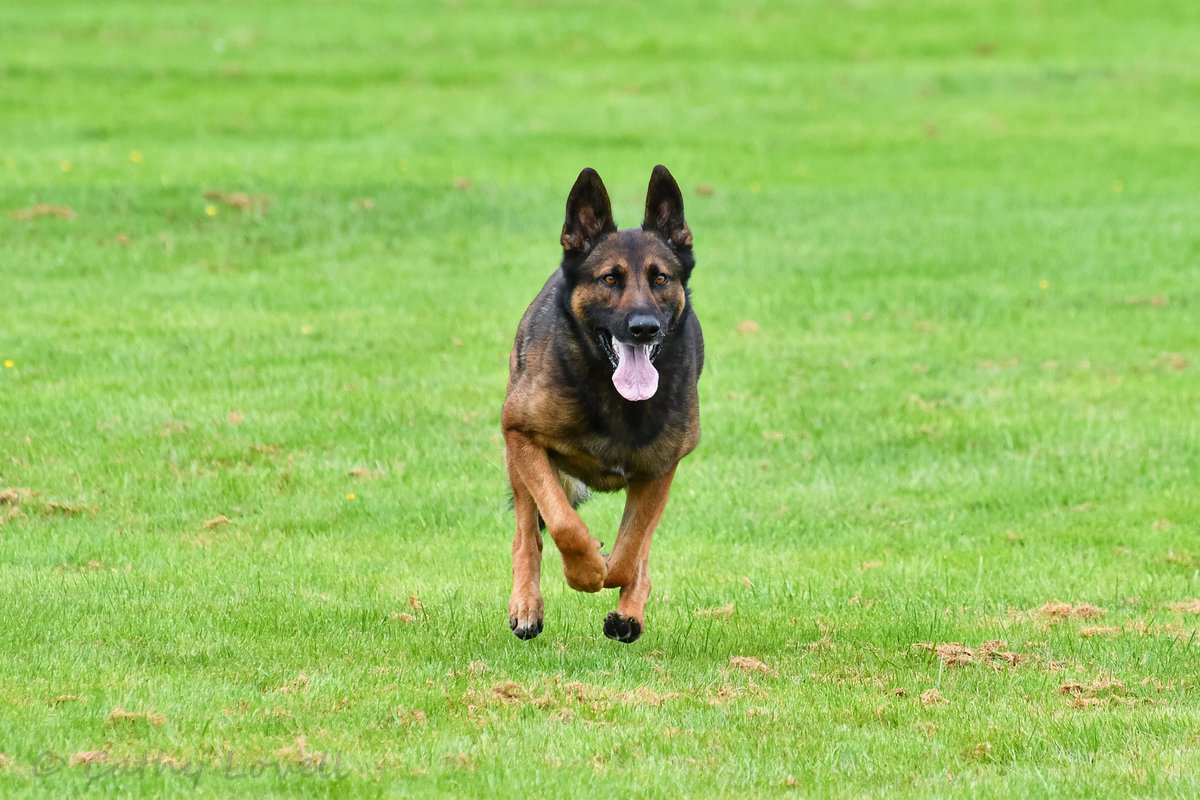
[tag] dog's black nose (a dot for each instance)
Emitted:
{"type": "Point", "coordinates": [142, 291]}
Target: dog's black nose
{"type": "Point", "coordinates": [643, 327]}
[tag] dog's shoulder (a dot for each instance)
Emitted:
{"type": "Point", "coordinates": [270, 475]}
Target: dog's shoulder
{"type": "Point", "coordinates": [539, 397]}
{"type": "Point", "coordinates": [539, 323]}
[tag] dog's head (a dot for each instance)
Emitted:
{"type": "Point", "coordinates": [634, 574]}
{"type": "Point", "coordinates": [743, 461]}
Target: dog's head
{"type": "Point", "coordinates": [628, 289]}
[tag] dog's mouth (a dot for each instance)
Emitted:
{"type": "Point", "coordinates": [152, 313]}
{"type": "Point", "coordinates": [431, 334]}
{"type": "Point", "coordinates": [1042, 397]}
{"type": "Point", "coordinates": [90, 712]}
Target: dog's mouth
{"type": "Point", "coordinates": [634, 374]}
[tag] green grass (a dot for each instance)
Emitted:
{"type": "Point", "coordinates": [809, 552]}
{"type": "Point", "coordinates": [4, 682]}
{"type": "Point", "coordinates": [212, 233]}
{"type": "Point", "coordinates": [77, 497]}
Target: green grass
{"type": "Point", "coordinates": [966, 233]}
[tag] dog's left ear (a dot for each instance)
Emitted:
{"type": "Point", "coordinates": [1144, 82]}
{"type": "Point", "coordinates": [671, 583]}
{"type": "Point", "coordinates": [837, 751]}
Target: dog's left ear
{"type": "Point", "coordinates": [664, 209]}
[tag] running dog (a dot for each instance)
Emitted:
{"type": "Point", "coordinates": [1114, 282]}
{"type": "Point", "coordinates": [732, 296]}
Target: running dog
{"type": "Point", "coordinates": [602, 394]}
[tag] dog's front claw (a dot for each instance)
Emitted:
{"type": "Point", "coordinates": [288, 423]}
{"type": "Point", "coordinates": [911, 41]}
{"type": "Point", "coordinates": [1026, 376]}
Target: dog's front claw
{"type": "Point", "coordinates": [525, 611]}
{"type": "Point", "coordinates": [622, 628]}
{"type": "Point", "coordinates": [525, 630]}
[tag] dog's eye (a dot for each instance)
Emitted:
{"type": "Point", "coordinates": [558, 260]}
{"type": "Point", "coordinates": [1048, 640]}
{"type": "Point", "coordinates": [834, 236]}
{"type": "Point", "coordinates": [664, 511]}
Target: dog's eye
{"type": "Point", "coordinates": [661, 280]}
{"type": "Point", "coordinates": [609, 280]}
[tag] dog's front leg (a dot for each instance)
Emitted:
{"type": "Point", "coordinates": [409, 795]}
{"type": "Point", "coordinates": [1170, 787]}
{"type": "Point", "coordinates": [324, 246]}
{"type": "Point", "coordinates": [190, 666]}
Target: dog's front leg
{"type": "Point", "coordinates": [525, 607]}
{"type": "Point", "coordinates": [628, 621]}
{"type": "Point", "coordinates": [629, 564]}
{"type": "Point", "coordinates": [582, 563]}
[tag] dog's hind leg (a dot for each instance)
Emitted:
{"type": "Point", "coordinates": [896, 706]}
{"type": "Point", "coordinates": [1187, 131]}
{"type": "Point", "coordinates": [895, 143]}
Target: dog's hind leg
{"type": "Point", "coordinates": [525, 607]}
{"type": "Point", "coordinates": [629, 563]}
{"type": "Point", "coordinates": [530, 465]}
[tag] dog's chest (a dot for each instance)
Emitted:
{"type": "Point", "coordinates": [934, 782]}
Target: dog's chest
{"type": "Point", "coordinates": [607, 464]}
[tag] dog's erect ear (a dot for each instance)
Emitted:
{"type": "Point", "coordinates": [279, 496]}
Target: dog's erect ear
{"type": "Point", "coordinates": [589, 214]}
{"type": "Point", "coordinates": [664, 209]}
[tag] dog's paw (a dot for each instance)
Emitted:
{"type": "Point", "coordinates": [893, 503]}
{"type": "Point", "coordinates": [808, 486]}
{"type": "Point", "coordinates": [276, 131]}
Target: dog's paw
{"type": "Point", "coordinates": [525, 616]}
{"type": "Point", "coordinates": [525, 630]}
{"type": "Point", "coordinates": [622, 628]}
{"type": "Point", "coordinates": [585, 571]}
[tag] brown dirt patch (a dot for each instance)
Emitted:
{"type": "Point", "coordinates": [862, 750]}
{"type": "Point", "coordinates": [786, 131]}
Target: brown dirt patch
{"type": "Point", "coordinates": [1099, 630]}
{"type": "Point", "coordinates": [1103, 690]}
{"type": "Point", "coordinates": [1155, 301]}
{"type": "Point", "coordinates": [43, 210]}
{"type": "Point", "coordinates": [724, 612]}
{"type": "Point", "coordinates": [563, 698]}
{"type": "Point", "coordinates": [980, 752]}
{"type": "Point", "coordinates": [365, 474]}
{"type": "Point", "coordinates": [119, 714]}
{"type": "Point", "coordinates": [296, 685]}
{"type": "Point", "coordinates": [994, 653]}
{"type": "Point", "coordinates": [1172, 361]}
{"type": "Point", "coordinates": [1185, 607]}
{"type": "Point", "coordinates": [89, 757]}
{"type": "Point", "coordinates": [410, 718]}
{"type": "Point", "coordinates": [1058, 611]}
{"type": "Point", "coordinates": [15, 494]}
{"type": "Point", "coordinates": [931, 697]}
{"type": "Point", "coordinates": [240, 201]}
{"type": "Point", "coordinates": [299, 753]}
{"type": "Point", "coordinates": [70, 509]}
{"type": "Point", "coordinates": [750, 664]}
{"type": "Point", "coordinates": [508, 691]}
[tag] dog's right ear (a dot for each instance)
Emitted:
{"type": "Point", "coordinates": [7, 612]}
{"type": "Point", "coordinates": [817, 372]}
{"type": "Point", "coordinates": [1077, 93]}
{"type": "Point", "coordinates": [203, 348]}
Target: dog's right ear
{"type": "Point", "coordinates": [589, 214]}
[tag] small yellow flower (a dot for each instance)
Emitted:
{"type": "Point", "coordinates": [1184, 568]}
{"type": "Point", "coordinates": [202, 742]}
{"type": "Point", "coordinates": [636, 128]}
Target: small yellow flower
{"type": "Point", "coordinates": [136, 156]}
{"type": "Point", "coordinates": [306, 330]}
{"type": "Point", "coordinates": [1044, 284]}
{"type": "Point", "coordinates": [351, 496]}
{"type": "Point", "coordinates": [65, 166]}
{"type": "Point", "coordinates": [210, 210]}
{"type": "Point", "coordinates": [755, 187]}
{"type": "Point", "coordinates": [1118, 185]}
{"type": "Point", "coordinates": [8, 363]}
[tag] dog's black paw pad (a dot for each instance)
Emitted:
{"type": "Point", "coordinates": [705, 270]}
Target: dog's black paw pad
{"type": "Point", "coordinates": [622, 628]}
{"type": "Point", "coordinates": [526, 631]}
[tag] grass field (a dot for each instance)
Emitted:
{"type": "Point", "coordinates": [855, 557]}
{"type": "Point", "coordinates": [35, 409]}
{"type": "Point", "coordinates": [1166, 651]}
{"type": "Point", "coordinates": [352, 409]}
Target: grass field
{"type": "Point", "coordinates": [262, 264]}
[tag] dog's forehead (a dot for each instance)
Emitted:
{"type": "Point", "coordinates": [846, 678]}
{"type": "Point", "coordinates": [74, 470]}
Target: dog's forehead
{"type": "Point", "coordinates": [632, 246]}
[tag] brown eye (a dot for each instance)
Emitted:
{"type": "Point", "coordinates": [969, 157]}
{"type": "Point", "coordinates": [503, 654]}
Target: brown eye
{"type": "Point", "coordinates": [661, 280]}
{"type": "Point", "coordinates": [609, 280]}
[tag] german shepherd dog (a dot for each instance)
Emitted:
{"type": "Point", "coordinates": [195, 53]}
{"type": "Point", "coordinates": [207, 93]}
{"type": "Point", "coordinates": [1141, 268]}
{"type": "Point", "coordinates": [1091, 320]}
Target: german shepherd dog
{"type": "Point", "coordinates": [602, 394]}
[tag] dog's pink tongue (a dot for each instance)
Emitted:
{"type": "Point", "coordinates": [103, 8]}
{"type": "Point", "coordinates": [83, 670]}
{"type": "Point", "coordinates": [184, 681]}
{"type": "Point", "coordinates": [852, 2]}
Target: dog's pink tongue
{"type": "Point", "coordinates": [635, 378]}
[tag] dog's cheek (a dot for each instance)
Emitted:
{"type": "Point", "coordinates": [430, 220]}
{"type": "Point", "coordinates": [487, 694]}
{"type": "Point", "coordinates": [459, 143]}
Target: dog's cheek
{"type": "Point", "coordinates": [586, 301]}
{"type": "Point", "coordinates": [578, 304]}
{"type": "Point", "coordinates": [678, 303]}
